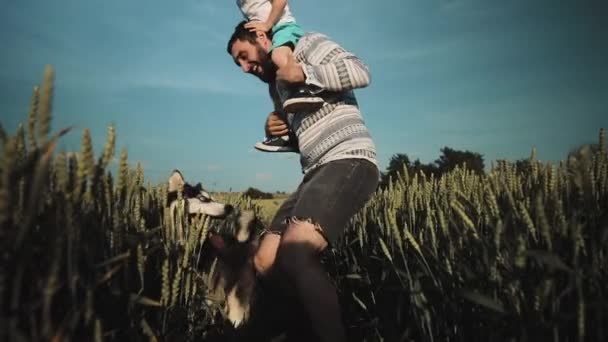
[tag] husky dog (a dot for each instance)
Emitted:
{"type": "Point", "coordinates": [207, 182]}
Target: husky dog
{"type": "Point", "coordinates": [228, 250]}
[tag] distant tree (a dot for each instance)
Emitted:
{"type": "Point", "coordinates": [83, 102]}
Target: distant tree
{"type": "Point", "coordinates": [448, 160]}
{"type": "Point", "coordinates": [524, 166]}
{"type": "Point", "coordinates": [451, 158]}
{"type": "Point", "coordinates": [396, 165]}
{"type": "Point", "coordinates": [397, 162]}
{"type": "Point", "coordinates": [427, 169]}
{"type": "Point", "coordinates": [400, 162]}
{"type": "Point", "coordinates": [254, 193]}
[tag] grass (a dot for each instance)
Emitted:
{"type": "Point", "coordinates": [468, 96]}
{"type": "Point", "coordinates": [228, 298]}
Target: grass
{"type": "Point", "coordinates": [266, 207]}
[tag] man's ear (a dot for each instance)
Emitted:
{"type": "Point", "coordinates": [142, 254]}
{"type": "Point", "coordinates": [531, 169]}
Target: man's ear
{"type": "Point", "coordinates": [262, 39]}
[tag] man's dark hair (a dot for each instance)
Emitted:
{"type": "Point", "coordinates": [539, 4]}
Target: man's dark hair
{"type": "Point", "coordinates": [243, 34]}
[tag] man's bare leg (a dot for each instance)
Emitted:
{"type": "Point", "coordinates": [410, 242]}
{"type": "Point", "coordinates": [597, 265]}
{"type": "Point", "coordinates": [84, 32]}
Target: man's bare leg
{"type": "Point", "coordinates": [299, 258]}
{"type": "Point", "coordinates": [295, 258]}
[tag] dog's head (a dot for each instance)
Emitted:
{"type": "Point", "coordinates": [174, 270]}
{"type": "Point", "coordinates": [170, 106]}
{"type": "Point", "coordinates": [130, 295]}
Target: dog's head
{"type": "Point", "coordinates": [199, 201]}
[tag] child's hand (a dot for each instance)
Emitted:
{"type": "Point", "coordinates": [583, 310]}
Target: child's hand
{"type": "Point", "coordinates": [257, 25]}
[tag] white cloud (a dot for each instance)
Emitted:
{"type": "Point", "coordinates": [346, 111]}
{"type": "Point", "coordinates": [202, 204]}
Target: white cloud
{"type": "Point", "coordinates": [263, 176]}
{"type": "Point", "coordinates": [214, 167]}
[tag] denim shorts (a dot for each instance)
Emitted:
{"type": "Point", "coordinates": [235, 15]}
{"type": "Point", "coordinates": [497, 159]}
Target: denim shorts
{"type": "Point", "coordinates": [329, 196]}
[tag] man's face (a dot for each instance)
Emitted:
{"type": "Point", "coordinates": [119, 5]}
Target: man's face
{"type": "Point", "coordinates": [253, 59]}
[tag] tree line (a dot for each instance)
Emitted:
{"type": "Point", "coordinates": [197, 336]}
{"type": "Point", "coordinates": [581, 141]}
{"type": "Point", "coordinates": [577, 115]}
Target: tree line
{"type": "Point", "coordinates": [447, 161]}
{"type": "Point", "coordinates": [451, 158]}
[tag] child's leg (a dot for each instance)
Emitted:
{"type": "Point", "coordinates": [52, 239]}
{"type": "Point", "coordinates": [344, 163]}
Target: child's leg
{"type": "Point", "coordinates": [295, 98]}
{"type": "Point", "coordinates": [281, 56]}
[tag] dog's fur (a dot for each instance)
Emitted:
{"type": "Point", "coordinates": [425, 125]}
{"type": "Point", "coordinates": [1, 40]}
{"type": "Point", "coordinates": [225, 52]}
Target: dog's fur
{"type": "Point", "coordinates": [231, 250]}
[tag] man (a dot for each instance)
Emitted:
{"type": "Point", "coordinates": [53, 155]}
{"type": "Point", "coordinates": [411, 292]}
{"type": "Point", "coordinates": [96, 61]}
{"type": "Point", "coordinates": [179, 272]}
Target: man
{"type": "Point", "coordinates": [338, 159]}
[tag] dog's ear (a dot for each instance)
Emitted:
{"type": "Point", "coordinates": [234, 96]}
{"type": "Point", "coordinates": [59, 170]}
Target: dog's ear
{"type": "Point", "coordinates": [176, 181]}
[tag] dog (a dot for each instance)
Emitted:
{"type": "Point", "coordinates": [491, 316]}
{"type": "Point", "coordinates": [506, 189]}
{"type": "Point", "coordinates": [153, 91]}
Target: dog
{"type": "Point", "coordinates": [228, 249]}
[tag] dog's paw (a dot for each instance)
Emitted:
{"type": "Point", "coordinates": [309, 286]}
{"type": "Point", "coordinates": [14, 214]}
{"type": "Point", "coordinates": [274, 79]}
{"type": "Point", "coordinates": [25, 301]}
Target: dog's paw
{"type": "Point", "coordinates": [237, 312]}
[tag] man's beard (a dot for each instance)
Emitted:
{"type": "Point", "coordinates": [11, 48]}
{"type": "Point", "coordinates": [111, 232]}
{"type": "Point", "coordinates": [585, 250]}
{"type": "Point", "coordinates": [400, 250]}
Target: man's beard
{"type": "Point", "coordinates": [268, 67]}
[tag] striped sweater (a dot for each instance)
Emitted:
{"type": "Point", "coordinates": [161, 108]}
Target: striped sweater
{"type": "Point", "coordinates": [337, 130]}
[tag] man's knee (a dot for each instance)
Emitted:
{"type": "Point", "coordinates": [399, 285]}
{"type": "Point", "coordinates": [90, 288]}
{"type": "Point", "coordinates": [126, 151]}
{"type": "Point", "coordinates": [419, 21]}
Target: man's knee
{"type": "Point", "coordinates": [263, 263]}
{"type": "Point", "coordinates": [265, 256]}
{"type": "Point", "coordinates": [300, 245]}
{"type": "Point", "coordinates": [305, 232]}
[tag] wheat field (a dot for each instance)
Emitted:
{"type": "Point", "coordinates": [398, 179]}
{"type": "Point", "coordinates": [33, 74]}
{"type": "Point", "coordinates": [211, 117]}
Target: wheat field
{"type": "Point", "coordinates": [512, 255]}
{"type": "Point", "coordinates": [266, 207]}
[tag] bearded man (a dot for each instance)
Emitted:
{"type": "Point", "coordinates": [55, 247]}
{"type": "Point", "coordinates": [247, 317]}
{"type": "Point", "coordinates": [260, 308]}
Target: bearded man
{"type": "Point", "coordinates": [338, 161]}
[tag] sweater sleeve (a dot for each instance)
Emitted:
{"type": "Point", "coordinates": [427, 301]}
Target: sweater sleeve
{"type": "Point", "coordinates": [328, 66]}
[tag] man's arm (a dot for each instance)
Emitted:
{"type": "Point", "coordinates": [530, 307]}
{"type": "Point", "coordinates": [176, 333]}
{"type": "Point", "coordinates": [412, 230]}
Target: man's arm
{"type": "Point", "coordinates": [328, 66]}
{"type": "Point", "coordinates": [274, 125]}
{"type": "Point", "coordinates": [274, 98]}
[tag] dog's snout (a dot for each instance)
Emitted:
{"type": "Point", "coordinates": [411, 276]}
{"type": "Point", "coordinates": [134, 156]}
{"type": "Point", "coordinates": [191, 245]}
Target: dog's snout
{"type": "Point", "coordinates": [229, 209]}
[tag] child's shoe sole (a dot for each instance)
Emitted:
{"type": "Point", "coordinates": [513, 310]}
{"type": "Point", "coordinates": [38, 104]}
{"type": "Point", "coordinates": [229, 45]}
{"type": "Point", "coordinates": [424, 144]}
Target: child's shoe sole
{"type": "Point", "coordinates": [303, 104]}
{"type": "Point", "coordinates": [270, 148]}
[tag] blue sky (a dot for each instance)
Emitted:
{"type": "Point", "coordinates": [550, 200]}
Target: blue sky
{"type": "Point", "coordinates": [493, 77]}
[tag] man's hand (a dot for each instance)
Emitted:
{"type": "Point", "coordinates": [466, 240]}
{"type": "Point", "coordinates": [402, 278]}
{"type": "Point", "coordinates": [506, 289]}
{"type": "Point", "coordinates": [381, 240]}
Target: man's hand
{"type": "Point", "coordinates": [257, 25]}
{"type": "Point", "coordinates": [275, 126]}
{"type": "Point", "coordinates": [291, 73]}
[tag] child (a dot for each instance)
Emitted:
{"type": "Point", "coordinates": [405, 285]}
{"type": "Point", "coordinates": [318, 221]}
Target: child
{"type": "Point", "coordinates": [275, 16]}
